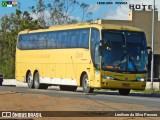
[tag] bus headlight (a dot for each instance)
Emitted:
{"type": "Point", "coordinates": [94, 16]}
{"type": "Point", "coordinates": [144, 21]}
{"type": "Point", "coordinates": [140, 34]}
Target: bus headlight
{"type": "Point", "coordinates": [108, 77]}
{"type": "Point", "coordinates": [142, 79]}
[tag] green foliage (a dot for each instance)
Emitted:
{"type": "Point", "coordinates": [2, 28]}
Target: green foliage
{"type": "Point", "coordinates": [151, 91]}
{"type": "Point", "coordinates": [57, 12]}
{"type": "Point", "coordinates": [10, 26]}
{"type": "Point", "coordinates": [147, 91]}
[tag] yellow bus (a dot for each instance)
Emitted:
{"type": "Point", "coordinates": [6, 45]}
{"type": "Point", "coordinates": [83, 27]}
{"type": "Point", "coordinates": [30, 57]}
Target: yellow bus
{"type": "Point", "coordinates": [85, 54]}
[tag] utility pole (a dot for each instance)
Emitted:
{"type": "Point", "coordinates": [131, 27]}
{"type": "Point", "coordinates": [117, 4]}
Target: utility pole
{"type": "Point", "coordinates": [152, 63]}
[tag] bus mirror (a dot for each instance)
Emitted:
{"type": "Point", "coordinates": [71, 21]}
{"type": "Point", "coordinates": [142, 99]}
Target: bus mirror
{"type": "Point", "coordinates": [149, 60]}
{"type": "Point", "coordinates": [149, 48]}
{"type": "Point", "coordinates": [100, 50]}
{"type": "Point", "coordinates": [150, 56]}
{"type": "Point", "coordinates": [100, 47]}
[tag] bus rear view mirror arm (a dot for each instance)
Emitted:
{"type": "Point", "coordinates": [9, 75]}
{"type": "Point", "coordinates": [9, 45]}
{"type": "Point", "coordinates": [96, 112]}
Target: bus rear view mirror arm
{"type": "Point", "coordinates": [100, 48]}
{"type": "Point", "coordinates": [149, 48]}
{"type": "Point", "coordinates": [150, 56]}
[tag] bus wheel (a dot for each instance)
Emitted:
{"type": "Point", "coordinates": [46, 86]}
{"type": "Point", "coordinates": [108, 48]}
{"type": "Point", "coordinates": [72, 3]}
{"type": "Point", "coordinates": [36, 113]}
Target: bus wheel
{"type": "Point", "coordinates": [68, 88]}
{"type": "Point", "coordinates": [124, 91]}
{"type": "Point", "coordinates": [37, 84]}
{"type": "Point", "coordinates": [85, 86]}
{"type": "Point", "coordinates": [30, 80]}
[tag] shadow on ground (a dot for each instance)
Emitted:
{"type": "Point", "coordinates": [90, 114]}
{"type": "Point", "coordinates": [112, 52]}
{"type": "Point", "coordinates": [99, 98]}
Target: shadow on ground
{"type": "Point", "coordinates": [77, 93]}
{"type": "Point", "coordinates": [131, 94]}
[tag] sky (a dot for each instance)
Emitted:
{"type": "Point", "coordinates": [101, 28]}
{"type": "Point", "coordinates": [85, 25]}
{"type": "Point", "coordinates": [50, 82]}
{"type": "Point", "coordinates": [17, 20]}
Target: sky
{"type": "Point", "coordinates": [100, 11]}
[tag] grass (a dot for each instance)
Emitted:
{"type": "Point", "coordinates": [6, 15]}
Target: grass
{"type": "Point", "coordinates": [147, 91]}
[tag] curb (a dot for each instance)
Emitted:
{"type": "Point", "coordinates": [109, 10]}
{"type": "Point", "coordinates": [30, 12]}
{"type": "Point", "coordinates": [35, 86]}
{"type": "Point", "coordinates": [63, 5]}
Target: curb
{"type": "Point", "coordinates": [14, 82]}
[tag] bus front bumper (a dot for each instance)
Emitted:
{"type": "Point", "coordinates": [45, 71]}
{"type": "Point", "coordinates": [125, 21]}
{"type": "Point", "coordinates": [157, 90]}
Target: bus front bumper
{"type": "Point", "coordinates": [117, 84]}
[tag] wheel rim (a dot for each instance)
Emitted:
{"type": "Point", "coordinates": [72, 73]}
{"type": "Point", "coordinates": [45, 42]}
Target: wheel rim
{"type": "Point", "coordinates": [86, 83]}
{"type": "Point", "coordinates": [36, 81]}
{"type": "Point", "coordinates": [30, 80]}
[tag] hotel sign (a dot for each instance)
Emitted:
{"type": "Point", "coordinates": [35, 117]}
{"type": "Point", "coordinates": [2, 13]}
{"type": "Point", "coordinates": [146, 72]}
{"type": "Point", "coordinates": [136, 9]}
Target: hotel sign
{"type": "Point", "coordinates": [140, 7]}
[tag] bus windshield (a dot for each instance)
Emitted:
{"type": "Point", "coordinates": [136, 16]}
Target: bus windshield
{"type": "Point", "coordinates": [124, 51]}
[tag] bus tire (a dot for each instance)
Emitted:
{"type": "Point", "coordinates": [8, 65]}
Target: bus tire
{"type": "Point", "coordinates": [30, 80]}
{"type": "Point", "coordinates": [124, 91]}
{"type": "Point", "coordinates": [68, 88]}
{"type": "Point", "coordinates": [37, 84]}
{"type": "Point", "coordinates": [85, 86]}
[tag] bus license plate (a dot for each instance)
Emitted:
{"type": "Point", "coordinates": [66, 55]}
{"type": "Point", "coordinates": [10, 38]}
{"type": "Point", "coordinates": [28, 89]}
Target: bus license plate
{"type": "Point", "coordinates": [125, 85]}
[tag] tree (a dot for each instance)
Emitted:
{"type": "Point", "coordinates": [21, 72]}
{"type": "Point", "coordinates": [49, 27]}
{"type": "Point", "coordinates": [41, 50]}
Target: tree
{"type": "Point", "coordinates": [61, 12]}
{"type": "Point", "coordinates": [10, 26]}
{"type": "Point", "coordinates": [85, 12]}
{"type": "Point", "coordinates": [39, 11]}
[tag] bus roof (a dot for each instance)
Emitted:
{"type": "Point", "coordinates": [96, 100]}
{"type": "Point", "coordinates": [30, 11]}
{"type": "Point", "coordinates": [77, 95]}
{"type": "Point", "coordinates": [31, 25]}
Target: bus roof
{"type": "Point", "coordinates": [83, 25]}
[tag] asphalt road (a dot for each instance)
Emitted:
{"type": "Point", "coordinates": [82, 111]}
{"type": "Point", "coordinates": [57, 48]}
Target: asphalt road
{"type": "Point", "coordinates": [150, 101]}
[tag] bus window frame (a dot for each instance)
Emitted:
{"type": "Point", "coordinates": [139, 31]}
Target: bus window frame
{"type": "Point", "coordinates": [58, 31]}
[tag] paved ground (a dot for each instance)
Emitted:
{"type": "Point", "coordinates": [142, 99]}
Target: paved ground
{"type": "Point", "coordinates": [151, 102]}
{"type": "Point", "coordinates": [156, 85]}
{"type": "Point", "coordinates": [21, 98]}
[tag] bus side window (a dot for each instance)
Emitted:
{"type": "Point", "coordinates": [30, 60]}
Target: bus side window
{"type": "Point", "coordinates": [95, 41]}
{"type": "Point", "coordinates": [73, 39]}
{"type": "Point", "coordinates": [42, 41]}
{"type": "Point", "coordinates": [69, 43]}
{"type": "Point", "coordinates": [84, 38]}
{"type": "Point", "coordinates": [57, 39]}
{"type": "Point", "coordinates": [51, 43]}
{"type": "Point", "coordinates": [31, 41]}
{"type": "Point", "coordinates": [63, 39]}
{"type": "Point", "coordinates": [59, 36]}
{"type": "Point", "coordinates": [20, 42]}
{"type": "Point", "coordinates": [78, 39]}
{"type": "Point", "coordinates": [24, 41]}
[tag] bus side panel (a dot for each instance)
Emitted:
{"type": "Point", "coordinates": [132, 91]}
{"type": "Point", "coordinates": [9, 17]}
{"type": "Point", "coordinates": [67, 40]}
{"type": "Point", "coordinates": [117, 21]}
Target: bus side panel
{"type": "Point", "coordinates": [71, 71]}
{"type": "Point", "coordinates": [60, 70]}
{"type": "Point", "coordinates": [51, 70]}
{"type": "Point", "coordinates": [20, 72]}
{"type": "Point", "coordinates": [84, 64]}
